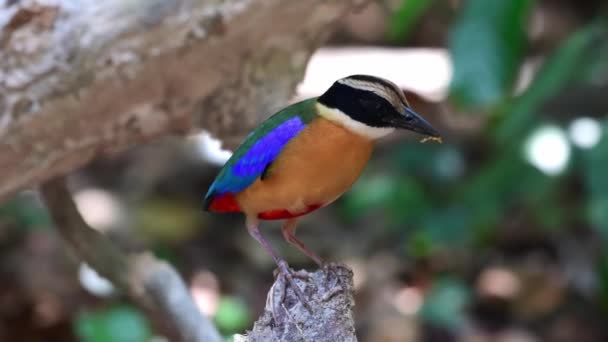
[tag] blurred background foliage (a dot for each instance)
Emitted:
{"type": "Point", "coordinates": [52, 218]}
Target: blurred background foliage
{"type": "Point", "coordinates": [499, 234]}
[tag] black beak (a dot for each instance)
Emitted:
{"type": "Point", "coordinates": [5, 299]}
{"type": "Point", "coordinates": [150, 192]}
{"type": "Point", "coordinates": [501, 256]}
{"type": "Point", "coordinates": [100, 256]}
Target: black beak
{"type": "Point", "coordinates": [412, 121]}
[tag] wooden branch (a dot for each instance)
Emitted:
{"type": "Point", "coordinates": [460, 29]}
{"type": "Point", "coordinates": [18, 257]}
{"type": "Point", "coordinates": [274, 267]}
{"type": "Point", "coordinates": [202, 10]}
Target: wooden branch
{"type": "Point", "coordinates": [166, 288]}
{"type": "Point", "coordinates": [142, 276]}
{"type": "Point", "coordinates": [83, 78]}
{"type": "Point", "coordinates": [285, 319]}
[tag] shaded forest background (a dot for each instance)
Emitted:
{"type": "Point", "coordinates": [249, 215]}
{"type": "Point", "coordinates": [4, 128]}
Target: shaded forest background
{"type": "Point", "coordinates": [498, 234]}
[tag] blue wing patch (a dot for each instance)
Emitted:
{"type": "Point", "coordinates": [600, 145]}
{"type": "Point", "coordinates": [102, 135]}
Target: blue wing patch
{"type": "Point", "coordinates": [254, 161]}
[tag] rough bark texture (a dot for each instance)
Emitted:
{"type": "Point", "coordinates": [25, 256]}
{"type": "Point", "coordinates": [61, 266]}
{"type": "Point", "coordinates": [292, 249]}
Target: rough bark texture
{"type": "Point", "coordinates": [83, 78]}
{"type": "Point", "coordinates": [285, 319]}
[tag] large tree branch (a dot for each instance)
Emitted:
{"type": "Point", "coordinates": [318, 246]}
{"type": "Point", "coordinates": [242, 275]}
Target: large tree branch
{"type": "Point", "coordinates": [83, 78]}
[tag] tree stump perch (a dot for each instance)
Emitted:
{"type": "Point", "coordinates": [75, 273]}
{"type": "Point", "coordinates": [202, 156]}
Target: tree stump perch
{"type": "Point", "coordinates": [285, 319]}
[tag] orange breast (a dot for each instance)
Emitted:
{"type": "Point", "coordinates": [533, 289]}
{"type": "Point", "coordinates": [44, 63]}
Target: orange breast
{"type": "Point", "coordinates": [314, 169]}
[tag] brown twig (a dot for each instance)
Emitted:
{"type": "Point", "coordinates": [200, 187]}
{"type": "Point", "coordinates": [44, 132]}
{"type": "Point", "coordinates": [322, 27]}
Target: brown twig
{"type": "Point", "coordinates": [144, 277]}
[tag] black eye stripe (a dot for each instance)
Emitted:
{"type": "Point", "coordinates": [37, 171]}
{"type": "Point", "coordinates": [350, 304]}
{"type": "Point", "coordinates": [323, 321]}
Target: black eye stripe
{"type": "Point", "coordinates": [361, 105]}
{"type": "Point", "coordinates": [368, 102]}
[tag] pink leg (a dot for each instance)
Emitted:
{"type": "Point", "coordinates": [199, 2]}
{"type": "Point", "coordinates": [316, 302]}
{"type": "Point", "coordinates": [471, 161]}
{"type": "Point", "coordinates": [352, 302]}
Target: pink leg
{"type": "Point", "coordinates": [289, 231]}
{"type": "Point", "coordinates": [254, 231]}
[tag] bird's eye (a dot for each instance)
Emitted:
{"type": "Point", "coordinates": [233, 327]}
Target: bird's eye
{"type": "Point", "coordinates": [369, 104]}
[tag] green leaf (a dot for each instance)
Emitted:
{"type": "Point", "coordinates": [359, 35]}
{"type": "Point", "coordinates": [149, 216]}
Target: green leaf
{"type": "Point", "coordinates": [448, 226]}
{"type": "Point", "coordinates": [446, 303]}
{"type": "Point", "coordinates": [232, 315]}
{"type": "Point", "coordinates": [120, 323]}
{"type": "Point", "coordinates": [370, 192]}
{"type": "Point", "coordinates": [405, 17]}
{"type": "Point", "coordinates": [419, 245]}
{"type": "Point", "coordinates": [26, 212]}
{"type": "Point", "coordinates": [555, 74]}
{"type": "Point", "coordinates": [487, 45]}
{"type": "Point", "coordinates": [595, 171]}
{"type": "Point", "coordinates": [408, 202]}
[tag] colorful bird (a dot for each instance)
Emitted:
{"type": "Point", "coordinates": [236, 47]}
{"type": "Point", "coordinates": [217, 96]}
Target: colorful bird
{"type": "Point", "coordinates": [308, 154]}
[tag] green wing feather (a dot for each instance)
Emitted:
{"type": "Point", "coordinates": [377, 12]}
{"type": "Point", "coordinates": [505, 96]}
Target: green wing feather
{"type": "Point", "coordinates": [260, 148]}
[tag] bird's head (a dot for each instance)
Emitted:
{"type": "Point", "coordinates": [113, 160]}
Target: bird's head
{"type": "Point", "coordinates": [371, 106]}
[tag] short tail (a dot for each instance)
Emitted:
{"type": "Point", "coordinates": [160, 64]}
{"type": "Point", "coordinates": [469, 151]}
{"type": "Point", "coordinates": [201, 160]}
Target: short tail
{"type": "Point", "coordinates": [223, 203]}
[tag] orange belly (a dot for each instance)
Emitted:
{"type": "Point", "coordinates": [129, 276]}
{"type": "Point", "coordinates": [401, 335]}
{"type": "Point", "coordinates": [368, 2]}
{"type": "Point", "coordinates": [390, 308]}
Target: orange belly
{"type": "Point", "coordinates": [313, 170]}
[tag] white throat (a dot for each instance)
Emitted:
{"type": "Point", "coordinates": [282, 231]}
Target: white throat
{"type": "Point", "coordinates": [337, 116]}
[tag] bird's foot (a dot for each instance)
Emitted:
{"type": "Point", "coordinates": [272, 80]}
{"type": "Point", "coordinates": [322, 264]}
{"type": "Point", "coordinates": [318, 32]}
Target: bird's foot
{"type": "Point", "coordinates": [301, 274]}
{"type": "Point", "coordinates": [285, 276]}
{"type": "Point", "coordinates": [333, 270]}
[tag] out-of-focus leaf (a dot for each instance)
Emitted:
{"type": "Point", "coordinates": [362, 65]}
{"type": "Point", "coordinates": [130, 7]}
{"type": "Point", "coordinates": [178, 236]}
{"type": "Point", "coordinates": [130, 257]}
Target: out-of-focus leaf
{"type": "Point", "coordinates": [232, 315]}
{"type": "Point", "coordinates": [494, 190]}
{"type": "Point", "coordinates": [408, 203]}
{"type": "Point", "coordinates": [491, 190]}
{"type": "Point", "coordinates": [400, 198]}
{"type": "Point", "coordinates": [25, 212]}
{"type": "Point", "coordinates": [487, 45]}
{"type": "Point", "coordinates": [596, 179]}
{"type": "Point", "coordinates": [370, 192]}
{"type": "Point", "coordinates": [419, 245]}
{"type": "Point", "coordinates": [595, 69]}
{"type": "Point", "coordinates": [120, 323]}
{"type": "Point", "coordinates": [166, 220]}
{"type": "Point", "coordinates": [445, 304]}
{"type": "Point", "coordinates": [449, 164]}
{"type": "Point", "coordinates": [447, 226]}
{"type": "Point", "coordinates": [556, 72]}
{"type": "Point", "coordinates": [166, 253]}
{"type": "Point", "coordinates": [418, 159]}
{"type": "Point", "coordinates": [405, 17]}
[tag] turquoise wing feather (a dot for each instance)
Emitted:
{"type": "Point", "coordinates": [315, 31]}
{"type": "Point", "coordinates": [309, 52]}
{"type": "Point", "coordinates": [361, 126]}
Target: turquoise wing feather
{"type": "Point", "coordinates": [260, 149]}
